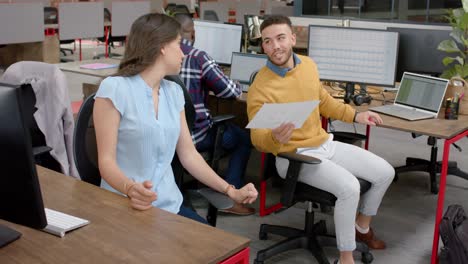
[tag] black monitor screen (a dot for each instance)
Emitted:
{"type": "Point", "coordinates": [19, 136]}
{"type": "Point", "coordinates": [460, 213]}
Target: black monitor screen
{"type": "Point", "coordinates": [418, 50]}
{"type": "Point", "coordinates": [20, 194]}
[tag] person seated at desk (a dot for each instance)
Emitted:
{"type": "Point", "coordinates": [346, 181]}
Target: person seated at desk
{"type": "Point", "coordinates": [140, 122]}
{"type": "Point", "coordinates": [288, 77]}
{"type": "Point", "coordinates": [201, 74]}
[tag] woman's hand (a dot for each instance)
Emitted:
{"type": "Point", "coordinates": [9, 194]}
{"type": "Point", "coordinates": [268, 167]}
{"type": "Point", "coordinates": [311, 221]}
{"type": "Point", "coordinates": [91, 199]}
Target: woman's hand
{"type": "Point", "coordinates": [245, 195]}
{"type": "Point", "coordinates": [141, 196]}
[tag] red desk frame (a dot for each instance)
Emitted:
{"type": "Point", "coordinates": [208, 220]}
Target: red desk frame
{"type": "Point", "coordinates": [241, 257]}
{"type": "Point", "coordinates": [441, 197]}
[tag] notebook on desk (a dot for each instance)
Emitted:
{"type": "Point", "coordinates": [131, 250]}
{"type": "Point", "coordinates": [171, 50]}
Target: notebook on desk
{"type": "Point", "coordinates": [98, 66]}
{"type": "Point", "coordinates": [243, 65]}
{"type": "Point", "coordinates": [419, 97]}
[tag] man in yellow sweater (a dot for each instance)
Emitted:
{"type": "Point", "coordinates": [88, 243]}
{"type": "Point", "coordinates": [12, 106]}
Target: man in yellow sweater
{"type": "Point", "coordinates": [288, 77]}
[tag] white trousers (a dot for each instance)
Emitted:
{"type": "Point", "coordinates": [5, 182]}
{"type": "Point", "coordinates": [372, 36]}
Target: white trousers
{"type": "Point", "coordinates": [341, 165]}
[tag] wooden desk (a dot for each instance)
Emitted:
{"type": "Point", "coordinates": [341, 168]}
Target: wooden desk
{"type": "Point", "coordinates": [45, 51]}
{"type": "Point", "coordinates": [117, 233]}
{"type": "Point", "coordinates": [449, 130]}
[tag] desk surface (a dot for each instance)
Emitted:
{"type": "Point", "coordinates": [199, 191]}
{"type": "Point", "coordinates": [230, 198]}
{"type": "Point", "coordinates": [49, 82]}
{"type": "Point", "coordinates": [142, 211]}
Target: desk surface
{"type": "Point", "coordinates": [103, 73]}
{"type": "Point", "coordinates": [117, 233]}
{"type": "Point", "coordinates": [438, 127]}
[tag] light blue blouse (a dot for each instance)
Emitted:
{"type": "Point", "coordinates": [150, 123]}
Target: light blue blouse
{"type": "Point", "coordinates": [146, 143]}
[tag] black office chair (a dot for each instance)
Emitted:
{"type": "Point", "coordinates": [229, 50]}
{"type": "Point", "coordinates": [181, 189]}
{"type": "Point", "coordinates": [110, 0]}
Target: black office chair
{"type": "Point", "coordinates": [212, 156]}
{"type": "Point", "coordinates": [41, 152]}
{"type": "Point", "coordinates": [210, 15]}
{"type": "Point", "coordinates": [177, 9]}
{"type": "Point", "coordinates": [431, 166]}
{"type": "Point", "coordinates": [51, 17]}
{"type": "Point", "coordinates": [84, 144]}
{"type": "Point", "coordinates": [313, 237]}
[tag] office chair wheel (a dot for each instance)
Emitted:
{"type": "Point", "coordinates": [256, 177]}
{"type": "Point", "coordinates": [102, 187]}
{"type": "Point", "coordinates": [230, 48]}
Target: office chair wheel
{"type": "Point", "coordinates": [367, 258]}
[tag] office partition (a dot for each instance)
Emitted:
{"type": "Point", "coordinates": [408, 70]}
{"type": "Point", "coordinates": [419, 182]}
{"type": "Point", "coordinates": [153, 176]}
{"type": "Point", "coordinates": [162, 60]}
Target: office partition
{"type": "Point", "coordinates": [246, 7]}
{"type": "Point", "coordinates": [189, 3]}
{"type": "Point", "coordinates": [81, 20]}
{"type": "Point", "coordinates": [221, 9]}
{"type": "Point", "coordinates": [44, 2]}
{"type": "Point", "coordinates": [157, 6]}
{"type": "Point", "coordinates": [380, 24]}
{"type": "Point", "coordinates": [125, 13]}
{"type": "Point", "coordinates": [317, 21]}
{"type": "Point", "coordinates": [21, 22]}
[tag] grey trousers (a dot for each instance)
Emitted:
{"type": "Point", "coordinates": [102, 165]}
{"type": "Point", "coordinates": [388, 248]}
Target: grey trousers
{"type": "Point", "coordinates": [341, 165]}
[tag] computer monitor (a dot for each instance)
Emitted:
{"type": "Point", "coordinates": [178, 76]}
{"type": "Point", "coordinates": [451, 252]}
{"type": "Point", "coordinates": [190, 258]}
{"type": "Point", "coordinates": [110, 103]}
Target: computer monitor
{"type": "Point", "coordinates": [351, 55]}
{"type": "Point", "coordinates": [244, 64]}
{"type": "Point", "coordinates": [418, 50]}
{"type": "Point", "coordinates": [20, 193]}
{"type": "Point", "coordinates": [218, 40]}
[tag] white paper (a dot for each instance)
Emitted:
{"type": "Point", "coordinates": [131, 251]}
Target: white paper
{"type": "Point", "coordinates": [273, 115]}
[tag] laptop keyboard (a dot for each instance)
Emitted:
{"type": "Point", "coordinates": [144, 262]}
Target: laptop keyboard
{"type": "Point", "coordinates": [59, 223]}
{"type": "Point", "coordinates": [395, 110]}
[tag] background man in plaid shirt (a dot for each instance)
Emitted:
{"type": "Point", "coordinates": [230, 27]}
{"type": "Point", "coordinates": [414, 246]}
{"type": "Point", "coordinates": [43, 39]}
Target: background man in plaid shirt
{"type": "Point", "coordinates": [201, 74]}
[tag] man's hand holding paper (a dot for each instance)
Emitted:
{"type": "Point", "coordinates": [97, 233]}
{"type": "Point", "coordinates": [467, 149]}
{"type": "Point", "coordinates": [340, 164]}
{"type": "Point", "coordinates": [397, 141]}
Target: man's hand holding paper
{"type": "Point", "coordinates": [274, 115]}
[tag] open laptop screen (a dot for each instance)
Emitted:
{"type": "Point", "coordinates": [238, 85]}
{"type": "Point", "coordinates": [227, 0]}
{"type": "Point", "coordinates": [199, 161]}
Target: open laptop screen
{"type": "Point", "coordinates": [244, 64]}
{"type": "Point", "coordinates": [421, 91]}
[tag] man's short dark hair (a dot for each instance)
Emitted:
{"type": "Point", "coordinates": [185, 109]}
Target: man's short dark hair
{"type": "Point", "coordinates": [275, 20]}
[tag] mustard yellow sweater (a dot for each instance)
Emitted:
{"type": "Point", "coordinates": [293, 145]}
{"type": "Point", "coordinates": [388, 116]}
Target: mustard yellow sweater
{"type": "Point", "coordinates": [300, 84]}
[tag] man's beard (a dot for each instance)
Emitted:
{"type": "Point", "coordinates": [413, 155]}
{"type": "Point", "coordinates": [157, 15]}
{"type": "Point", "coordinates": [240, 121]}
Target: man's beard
{"type": "Point", "coordinates": [288, 56]}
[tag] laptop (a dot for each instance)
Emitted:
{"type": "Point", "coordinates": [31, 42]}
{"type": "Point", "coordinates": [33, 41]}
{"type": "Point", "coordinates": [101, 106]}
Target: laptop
{"type": "Point", "coordinates": [419, 97]}
{"type": "Point", "coordinates": [243, 65]}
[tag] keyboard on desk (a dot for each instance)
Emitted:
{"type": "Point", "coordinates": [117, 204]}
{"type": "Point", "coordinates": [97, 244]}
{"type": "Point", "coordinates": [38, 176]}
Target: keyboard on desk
{"type": "Point", "coordinates": [59, 223]}
{"type": "Point", "coordinates": [402, 112]}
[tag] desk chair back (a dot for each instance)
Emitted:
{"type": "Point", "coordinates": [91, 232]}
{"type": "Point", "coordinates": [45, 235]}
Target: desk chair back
{"type": "Point", "coordinates": [84, 143]}
{"type": "Point", "coordinates": [54, 115]}
{"type": "Point", "coordinates": [50, 15]}
{"type": "Point", "coordinates": [210, 15]}
{"type": "Point", "coordinates": [177, 9]}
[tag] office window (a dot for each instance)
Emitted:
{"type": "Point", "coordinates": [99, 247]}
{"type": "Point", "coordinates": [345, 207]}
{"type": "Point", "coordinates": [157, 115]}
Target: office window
{"type": "Point", "coordinates": [395, 10]}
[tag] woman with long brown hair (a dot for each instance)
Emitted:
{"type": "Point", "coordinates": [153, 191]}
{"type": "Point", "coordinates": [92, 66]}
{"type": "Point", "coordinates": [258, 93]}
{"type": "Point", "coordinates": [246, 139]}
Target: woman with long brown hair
{"type": "Point", "coordinates": [140, 122]}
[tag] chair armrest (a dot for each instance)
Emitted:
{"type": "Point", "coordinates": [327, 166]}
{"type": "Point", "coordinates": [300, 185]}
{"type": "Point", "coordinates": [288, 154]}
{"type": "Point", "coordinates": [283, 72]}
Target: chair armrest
{"type": "Point", "coordinates": [350, 136]}
{"type": "Point", "coordinates": [222, 118]}
{"type": "Point", "coordinates": [295, 163]}
{"type": "Point", "coordinates": [292, 156]}
{"type": "Point", "coordinates": [40, 150]}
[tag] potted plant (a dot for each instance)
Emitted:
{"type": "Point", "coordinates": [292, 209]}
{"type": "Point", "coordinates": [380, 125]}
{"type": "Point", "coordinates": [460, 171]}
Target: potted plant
{"type": "Point", "coordinates": [457, 45]}
{"type": "Point", "coordinates": [457, 63]}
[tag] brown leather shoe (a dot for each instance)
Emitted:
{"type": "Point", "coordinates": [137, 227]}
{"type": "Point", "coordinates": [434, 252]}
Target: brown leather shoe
{"type": "Point", "coordinates": [370, 240]}
{"type": "Point", "coordinates": [239, 209]}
